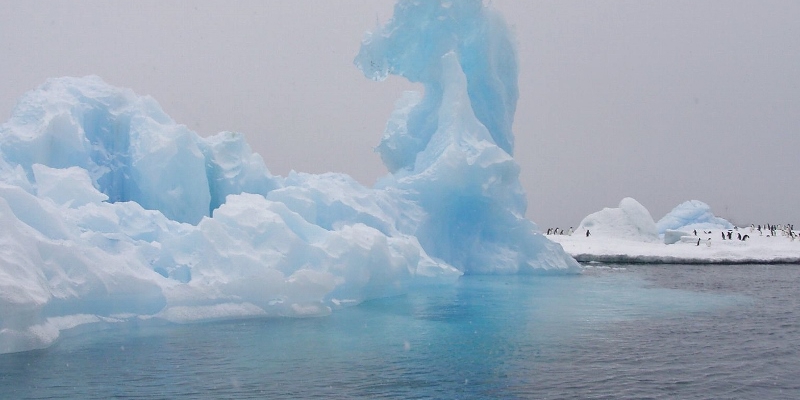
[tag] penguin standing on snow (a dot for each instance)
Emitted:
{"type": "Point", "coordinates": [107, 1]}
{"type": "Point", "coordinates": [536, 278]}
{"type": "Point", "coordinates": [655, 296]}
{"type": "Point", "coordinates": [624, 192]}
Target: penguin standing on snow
{"type": "Point", "coordinates": [723, 235]}
{"type": "Point", "coordinates": [698, 242]}
{"type": "Point", "coordinates": [587, 233]}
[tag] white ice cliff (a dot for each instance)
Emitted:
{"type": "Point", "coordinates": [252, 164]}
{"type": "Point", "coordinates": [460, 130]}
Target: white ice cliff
{"type": "Point", "coordinates": [113, 212]}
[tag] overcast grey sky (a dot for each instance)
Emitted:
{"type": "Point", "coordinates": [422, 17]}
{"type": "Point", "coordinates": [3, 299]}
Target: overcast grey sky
{"type": "Point", "coordinates": [662, 101]}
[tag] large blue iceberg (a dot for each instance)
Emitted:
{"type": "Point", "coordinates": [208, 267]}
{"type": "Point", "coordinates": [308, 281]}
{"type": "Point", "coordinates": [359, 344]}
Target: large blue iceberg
{"type": "Point", "coordinates": [113, 212]}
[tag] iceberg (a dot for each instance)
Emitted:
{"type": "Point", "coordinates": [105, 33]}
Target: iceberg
{"type": "Point", "coordinates": [112, 212]}
{"type": "Point", "coordinates": [630, 221]}
{"type": "Point", "coordinates": [450, 151]}
{"type": "Point", "coordinates": [692, 215]}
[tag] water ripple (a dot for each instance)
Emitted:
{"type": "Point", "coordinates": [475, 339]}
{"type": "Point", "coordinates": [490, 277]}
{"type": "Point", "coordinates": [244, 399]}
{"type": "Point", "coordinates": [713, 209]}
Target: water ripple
{"type": "Point", "coordinates": [645, 332]}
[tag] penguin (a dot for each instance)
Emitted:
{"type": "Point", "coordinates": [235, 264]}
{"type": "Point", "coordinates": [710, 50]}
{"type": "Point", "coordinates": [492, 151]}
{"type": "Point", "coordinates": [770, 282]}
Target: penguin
{"type": "Point", "coordinates": [571, 231]}
{"type": "Point", "coordinates": [587, 233]}
{"type": "Point", "coordinates": [708, 242]}
{"type": "Point", "coordinates": [730, 235]}
{"type": "Point", "coordinates": [695, 232]}
{"type": "Point", "coordinates": [698, 242]}
{"type": "Point", "coordinates": [744, 238]}
{"type": "Point", "coordinates": [739, 236]}
{"type": "Point", "coordinates": [723, 235]}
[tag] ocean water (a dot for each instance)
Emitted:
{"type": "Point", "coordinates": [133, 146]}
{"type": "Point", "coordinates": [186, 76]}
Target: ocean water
{"type": "Point", "coordinates": [616, 331]}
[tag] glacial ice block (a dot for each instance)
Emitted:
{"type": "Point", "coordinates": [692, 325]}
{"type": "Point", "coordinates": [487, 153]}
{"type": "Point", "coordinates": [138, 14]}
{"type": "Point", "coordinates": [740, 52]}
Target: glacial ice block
{"type": "Point", "coordinates": [78, 248]}
{"type": "Point", "coordinates": [412, 45]}
{"type": "Point", "coordinates": [71, 186]}
{"type": "Point", "coordinates": [130, 148]}
{"type": "Point", "coordinates": [690, 215]}
{"type": "Point", "coordinates": [113, 212]}
{"type": "Point", "coordinates": [630, 220]}
{"type": "Point", "coordinates": [449, 151]}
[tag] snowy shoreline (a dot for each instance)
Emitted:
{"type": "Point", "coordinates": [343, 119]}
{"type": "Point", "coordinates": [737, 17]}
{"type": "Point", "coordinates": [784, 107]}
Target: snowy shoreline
{"type": "Point", "coordinates": [756, 249]}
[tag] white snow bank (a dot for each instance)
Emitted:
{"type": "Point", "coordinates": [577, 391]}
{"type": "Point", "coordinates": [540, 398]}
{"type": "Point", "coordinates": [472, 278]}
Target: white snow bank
{"type": "Point", "coordinates": [630, 221]}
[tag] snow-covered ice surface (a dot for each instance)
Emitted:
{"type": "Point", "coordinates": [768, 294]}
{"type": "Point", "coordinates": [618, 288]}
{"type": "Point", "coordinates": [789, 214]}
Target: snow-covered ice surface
{"type": "Point", "coordinates": [111, 211]}
{"type": "Point", "coordinates": [755, 250]}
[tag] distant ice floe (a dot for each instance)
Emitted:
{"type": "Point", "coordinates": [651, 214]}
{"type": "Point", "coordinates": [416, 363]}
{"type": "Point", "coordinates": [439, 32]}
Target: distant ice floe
{"type": "Point", "coordinates": [627, 234]}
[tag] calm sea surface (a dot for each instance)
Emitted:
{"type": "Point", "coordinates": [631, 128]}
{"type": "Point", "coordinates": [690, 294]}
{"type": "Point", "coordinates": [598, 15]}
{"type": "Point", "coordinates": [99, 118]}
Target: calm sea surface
{"type": "Point", "coordinates": [660, 332]}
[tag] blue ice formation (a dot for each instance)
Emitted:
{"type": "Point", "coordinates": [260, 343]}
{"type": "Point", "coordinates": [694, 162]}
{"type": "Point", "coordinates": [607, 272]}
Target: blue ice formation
{"type": "Point", "coordinates": [477, 37]}
{"type": "Point", "coordinates": [463, 54]}
{"type": "Point", "coordinates": [113, 212]}
{"type": "Point", "coordinates": [689, 215]}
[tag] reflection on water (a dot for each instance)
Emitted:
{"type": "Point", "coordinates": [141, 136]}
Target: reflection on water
{"type": "Point", "coordinates": [632, 331]}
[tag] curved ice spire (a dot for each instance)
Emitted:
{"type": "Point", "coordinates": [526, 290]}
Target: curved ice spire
{"type": "Point", "coordinates": [412, 45]}
{"type": "Point", "coordinates": [449, 151]}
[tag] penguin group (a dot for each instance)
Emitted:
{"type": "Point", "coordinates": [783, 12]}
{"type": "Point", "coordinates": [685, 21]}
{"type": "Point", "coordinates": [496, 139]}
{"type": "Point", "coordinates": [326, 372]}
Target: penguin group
{"type": "Point", "coordinates": [708, 240]}
{"type": "Point", "coordinates": [729, 235]}
{"type": "Point", "coordinates": [557, 231]}
{"type": "Point", "coordinates": [772, 230]}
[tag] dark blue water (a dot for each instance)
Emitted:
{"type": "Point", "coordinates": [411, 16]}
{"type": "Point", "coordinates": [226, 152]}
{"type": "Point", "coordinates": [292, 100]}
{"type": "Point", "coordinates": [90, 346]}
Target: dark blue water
{"type": "Point", "coordinates": [678, 331]}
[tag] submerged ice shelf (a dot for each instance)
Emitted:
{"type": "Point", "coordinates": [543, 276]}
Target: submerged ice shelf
{"type": "Point", "coordinates": [112, 211]}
